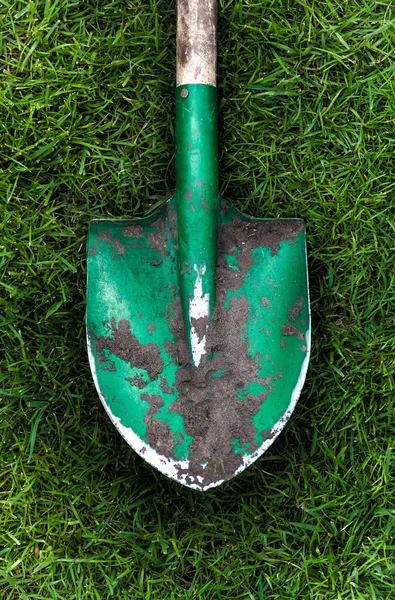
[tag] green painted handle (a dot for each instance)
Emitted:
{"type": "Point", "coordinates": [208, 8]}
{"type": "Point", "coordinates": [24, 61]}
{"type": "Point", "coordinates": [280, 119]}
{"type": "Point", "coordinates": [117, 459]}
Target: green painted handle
{"type": "Point", "coordinates": [197, 194]}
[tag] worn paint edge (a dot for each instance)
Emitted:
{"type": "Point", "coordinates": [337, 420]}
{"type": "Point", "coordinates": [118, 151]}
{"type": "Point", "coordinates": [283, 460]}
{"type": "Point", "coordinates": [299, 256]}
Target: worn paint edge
{"type": "Point", "coordinates": [171, 467]}
{"type": "Point", "coordinates": [279, 426]}
{"type": "Point", "coordinates": [167, 466]}
{"type": "Point", "coordinates": [157, 460]}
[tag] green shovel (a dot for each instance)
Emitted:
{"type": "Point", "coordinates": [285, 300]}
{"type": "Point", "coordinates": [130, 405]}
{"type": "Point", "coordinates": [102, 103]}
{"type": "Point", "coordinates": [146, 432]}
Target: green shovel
{"type": "Point", "coordinates": [198, 319]}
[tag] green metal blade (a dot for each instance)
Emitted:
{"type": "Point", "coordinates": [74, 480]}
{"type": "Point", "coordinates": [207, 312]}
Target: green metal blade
{"type": "Point", "coordinates": [200, 425]}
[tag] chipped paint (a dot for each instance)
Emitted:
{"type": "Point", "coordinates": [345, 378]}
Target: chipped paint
{"type": "Point", "coordinates": [197, 229]}
{"type": "Point", "coordinates": [184, 304]}
{"type": "Point", "coordinates": [199, 308]}
{"type": "Point", "coordinates": [279, 426]}
{"type": "Point", "coordinates": [175, 469]}
{"type": "Point", "coordinates": [157, 405]}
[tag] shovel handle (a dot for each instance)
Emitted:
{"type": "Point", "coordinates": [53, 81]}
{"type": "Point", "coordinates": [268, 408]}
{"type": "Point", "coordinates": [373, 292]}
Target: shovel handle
{"type": "Point", "coordinates": [197, 196]}
{"type": "Point", "coordinates": [197, 42]}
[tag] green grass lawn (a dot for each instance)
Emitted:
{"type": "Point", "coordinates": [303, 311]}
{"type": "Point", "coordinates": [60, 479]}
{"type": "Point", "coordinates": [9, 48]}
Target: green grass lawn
{"type": "Point", "coordinates": [307, 129]}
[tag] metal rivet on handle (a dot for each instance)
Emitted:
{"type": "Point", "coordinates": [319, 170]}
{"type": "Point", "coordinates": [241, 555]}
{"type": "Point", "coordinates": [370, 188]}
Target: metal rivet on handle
{"type": "Point", "coordinates": [184, 93]}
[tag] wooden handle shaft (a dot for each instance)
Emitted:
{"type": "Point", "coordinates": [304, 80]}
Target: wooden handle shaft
{"type": "Point", "coordinates": [197, 42]}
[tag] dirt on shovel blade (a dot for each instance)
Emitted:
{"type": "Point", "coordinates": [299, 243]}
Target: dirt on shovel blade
{"type": "Point", "coordinates": [213, 400]}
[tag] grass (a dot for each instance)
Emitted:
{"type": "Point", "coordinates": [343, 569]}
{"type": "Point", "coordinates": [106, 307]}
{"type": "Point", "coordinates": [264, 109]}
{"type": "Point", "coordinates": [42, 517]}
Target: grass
{"type": "Point", "coordinates": [307, 113]}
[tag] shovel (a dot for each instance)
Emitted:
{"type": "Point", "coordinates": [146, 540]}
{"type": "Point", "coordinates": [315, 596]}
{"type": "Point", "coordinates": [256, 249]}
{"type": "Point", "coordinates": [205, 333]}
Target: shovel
{"type": "Point", "coordinates": [198, 320]}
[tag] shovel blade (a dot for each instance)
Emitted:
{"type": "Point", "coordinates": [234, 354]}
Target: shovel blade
{"type": "Point", "coordinates": [200, 425]}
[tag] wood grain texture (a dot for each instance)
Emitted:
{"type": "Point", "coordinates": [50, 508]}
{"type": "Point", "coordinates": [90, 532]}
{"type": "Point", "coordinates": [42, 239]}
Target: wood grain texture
{"type": "Point", "coordinates": [196, 41]}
